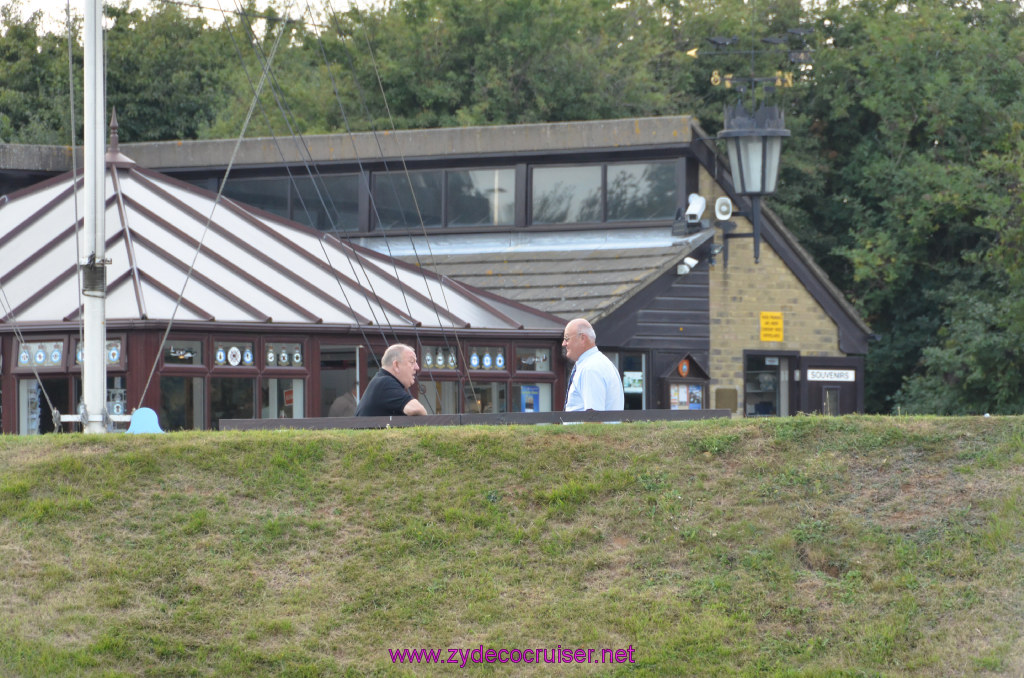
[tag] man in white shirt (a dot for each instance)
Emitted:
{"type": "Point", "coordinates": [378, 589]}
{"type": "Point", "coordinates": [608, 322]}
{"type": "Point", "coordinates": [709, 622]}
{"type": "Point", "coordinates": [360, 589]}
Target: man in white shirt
{"type": "Point", "coordinates": [595, 383]}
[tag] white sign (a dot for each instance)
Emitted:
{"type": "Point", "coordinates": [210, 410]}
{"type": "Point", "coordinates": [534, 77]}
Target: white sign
{"type": "Point", "coordinates": [831, 375]}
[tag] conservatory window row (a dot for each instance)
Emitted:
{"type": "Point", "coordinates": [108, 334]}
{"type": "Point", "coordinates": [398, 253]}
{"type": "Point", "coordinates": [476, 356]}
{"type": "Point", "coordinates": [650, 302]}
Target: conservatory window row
{"type": "Point", "coordinates": [495, 378]}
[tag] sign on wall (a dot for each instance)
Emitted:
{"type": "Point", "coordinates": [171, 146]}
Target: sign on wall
{"type": "Point", "coordinates": [771, 326]}
{"type": "Point", "coordinates": [831, 375]}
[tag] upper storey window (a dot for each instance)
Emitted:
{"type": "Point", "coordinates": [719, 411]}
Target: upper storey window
{"type": "Point", "coordinates": [643, 191]}
{"type": "Point", "coordinates": [470, 198]}
{"type": "Point", "coordinates": [328, 202]}
{"type": "Point", "coordinates": [408, 199]}
{"type": "Point", "coordinates": [434, 198]}
{"type": "Point", "coordinates": [566, 195]}
{"type": "Point", "coordinates": [484, 197]}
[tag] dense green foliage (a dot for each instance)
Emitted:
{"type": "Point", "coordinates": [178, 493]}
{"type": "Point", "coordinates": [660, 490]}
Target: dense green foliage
{"type": "Point", "coordinates": [902, 177]}
{"type": "Point", "coordinates": [803, 546]}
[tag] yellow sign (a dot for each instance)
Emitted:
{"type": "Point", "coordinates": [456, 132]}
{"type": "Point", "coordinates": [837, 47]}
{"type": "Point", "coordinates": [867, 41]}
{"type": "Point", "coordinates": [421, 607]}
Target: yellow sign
{"type": "Point", "coordinates": [771, 326]}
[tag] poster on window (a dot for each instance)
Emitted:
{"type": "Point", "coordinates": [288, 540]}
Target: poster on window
{"type": "Point", "coordinates": [696, 397]}
{"type": "Point", "coordinates": [529, 398]}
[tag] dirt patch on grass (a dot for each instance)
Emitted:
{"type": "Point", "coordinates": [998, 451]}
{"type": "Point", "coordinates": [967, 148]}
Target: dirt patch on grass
{"type": "Point", "coordinates": [616, 560]}
{"type": "Point", "coordinates": [904, 492]}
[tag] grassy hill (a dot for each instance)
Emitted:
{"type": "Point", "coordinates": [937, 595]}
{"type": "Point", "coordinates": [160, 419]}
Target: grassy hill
{"type": "Point", "coordinates": [853, 546]}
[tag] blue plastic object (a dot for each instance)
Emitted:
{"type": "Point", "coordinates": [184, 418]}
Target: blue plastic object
{"type": "Point", "coordinates": [144, 421]}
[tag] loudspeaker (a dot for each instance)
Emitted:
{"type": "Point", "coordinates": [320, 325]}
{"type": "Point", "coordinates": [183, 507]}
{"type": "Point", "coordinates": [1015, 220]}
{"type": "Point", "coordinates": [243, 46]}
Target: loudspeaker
{"type": "Point", "coordinates": [723, 208]}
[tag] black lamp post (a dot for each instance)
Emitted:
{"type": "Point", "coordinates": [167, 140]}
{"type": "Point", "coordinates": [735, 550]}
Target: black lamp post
{"type": "Point", "coordinates": [754, 143]}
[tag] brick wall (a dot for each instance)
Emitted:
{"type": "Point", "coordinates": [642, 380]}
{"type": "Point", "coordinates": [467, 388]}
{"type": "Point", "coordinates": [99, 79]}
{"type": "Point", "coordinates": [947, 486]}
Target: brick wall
{"type": "Point", "coordinates": [738, 295]}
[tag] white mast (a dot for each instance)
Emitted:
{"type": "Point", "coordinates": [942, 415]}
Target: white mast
{"type": "Point", "coordinates": [93, 268]}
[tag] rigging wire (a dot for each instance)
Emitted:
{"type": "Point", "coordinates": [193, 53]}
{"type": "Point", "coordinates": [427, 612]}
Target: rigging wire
{"type": "Point", "coordinates": [314, 175]}
{"type": "Point", "coordinates": [192, 4]}
{"type": "Point", "coordinates": [408, 177]}
{"type": "Point", "coordinates": [458, 350]}
{"type": "Point", "coordinates": [206, 227]}
{"type": "Point", "coordinates": [74, 167]}
{"type": "Point", "coordinates": [267, 73]}
{"type": "Point", "coordinates": [302, 145]}
{"type": "Point", "coordinates": [5, 303]}
{"type": "Point", "coordinates": [313, 171]}
{"type": "Point", "coordinates": [8, 309]}
{"type": "Point", "coordinates": [364, 174]}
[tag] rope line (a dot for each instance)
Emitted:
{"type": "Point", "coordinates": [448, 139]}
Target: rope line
{"type": "Point", "coordinates": [419, 213]}
{"type": "Point", "coordinates": [373, 313]}
{"type": "Point", "coordinates": [8, 309]}
{"type": "Point", "coordinates": [307, 162]}
{"type": "Point", "coordinates": [373, 202]}
{"type": "Point", "coordinates": [206, 227]}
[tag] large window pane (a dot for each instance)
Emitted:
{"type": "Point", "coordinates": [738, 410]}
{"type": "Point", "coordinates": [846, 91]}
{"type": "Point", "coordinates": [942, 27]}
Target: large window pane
{"type": "Point", "coordinates": [267, 194]}
{"type": "Point", "coordinates": [439, 397]}
{"type": "Point", "coordinates": [232, 398]}
{"type": "Point", "coordinates": [566, 195]}
{"type": "Point", "coordinates": [530, 359]}
{"type": "Point", "coordinates": [766, 391]}
{"type": "Point", "coordinates": [338, 376]}
{"type": "Point", "coordinates": [486, 397]}
{"type": "Point", "coordinates": [633, 367]}
{"type": "Point", "coordinates": [401, 198]}
{"type": "Point", "coordinates": [181, 403]}
{"type": "Point", "coordinates": [328, 202]}
{"type": "Point", "coordinates": [641, 191]}
{"type": "Point", "coordinates": [487, 358]}
{"type": "Point", "coordinates": [34, 413]}
{"type": "Point", "coordinates": [531, 398]}
{"type": "Point", "coordinates": [481, 197]}
{"type": "Point", "coordinates": [283, 399]}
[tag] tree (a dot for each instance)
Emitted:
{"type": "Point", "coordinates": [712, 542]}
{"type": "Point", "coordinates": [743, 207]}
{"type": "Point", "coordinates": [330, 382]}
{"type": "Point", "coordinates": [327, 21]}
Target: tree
{"type": "Point", "coordinates": [166, 72]}
{"type": "Point", "coordinates": [976, 365]}
{"type": "Point", "coordinates": [34, 72]}
{"type": "Point", "coordinates": [463, 62]}
{"type": "Point", "coordinates": [908, 104]}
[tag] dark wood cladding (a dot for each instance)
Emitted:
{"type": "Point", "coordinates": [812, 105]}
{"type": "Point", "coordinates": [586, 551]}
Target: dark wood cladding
{"type": "Point", "coordinates": [672, 313]}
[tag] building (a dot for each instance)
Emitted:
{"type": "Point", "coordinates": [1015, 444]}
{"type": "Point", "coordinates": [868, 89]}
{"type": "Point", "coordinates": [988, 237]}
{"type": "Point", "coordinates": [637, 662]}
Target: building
{"type": "Point", "coordinates": [215, 310]}
{"type": "Point", "coordinates": [562, 220]}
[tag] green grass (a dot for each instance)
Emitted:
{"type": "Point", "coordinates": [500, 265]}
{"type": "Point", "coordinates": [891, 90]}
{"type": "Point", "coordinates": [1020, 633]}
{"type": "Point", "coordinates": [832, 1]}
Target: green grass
{"type": "Point", "coordinates": [853, 546]}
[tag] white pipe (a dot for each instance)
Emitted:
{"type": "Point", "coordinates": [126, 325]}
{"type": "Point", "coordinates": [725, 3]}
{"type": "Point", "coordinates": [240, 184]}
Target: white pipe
{"type": "Point", "coordinates": [94, 362]}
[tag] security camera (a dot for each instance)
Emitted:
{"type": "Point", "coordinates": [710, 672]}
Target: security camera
{"type": "Point", "coordinates": [695, 209]}
{"type": "Point", "coordinates": [689, 263]}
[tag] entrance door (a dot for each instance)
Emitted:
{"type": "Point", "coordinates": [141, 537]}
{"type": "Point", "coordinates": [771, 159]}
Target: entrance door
{"type": "Point", "coordinates": [832, 386]}
{"type": "Point", "coordinates": [34, 415]}
{"type": "Point", "coordinates": [339, 375]}
{"type": "Point", "coordinates": [767, 382]}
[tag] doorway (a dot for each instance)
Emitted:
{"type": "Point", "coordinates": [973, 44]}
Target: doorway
{"type": "Point", "coordinates": [339, 375]}
{"type": "Point", "coordinates": [34, 414]}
